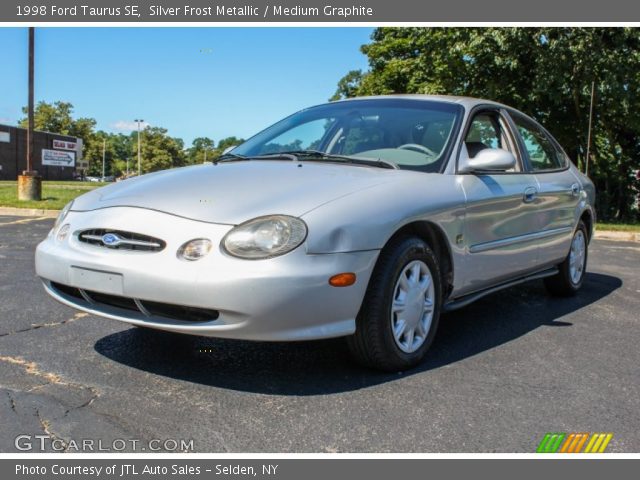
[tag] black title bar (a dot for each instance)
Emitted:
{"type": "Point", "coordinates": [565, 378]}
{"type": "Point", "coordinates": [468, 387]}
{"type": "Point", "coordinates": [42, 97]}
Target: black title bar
{"type": "Point", "coordinates": [371, 11]}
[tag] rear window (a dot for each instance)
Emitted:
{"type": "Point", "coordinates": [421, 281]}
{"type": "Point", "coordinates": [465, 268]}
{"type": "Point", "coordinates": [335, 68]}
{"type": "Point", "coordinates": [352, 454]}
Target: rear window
{"type": "Point", "coordinates": [541, 150]}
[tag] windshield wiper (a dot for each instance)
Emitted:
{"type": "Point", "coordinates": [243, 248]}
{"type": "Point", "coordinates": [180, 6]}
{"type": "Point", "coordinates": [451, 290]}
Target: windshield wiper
{"type": "Point", "coordinates": [300, 155]}
{"type": "Point", "coordinates": [231, 157]}
{"type": "Point", "coordinates": [341, 158]}
{"type": "Point", "coordinates": [227, 157]}
{"type": "Point", "coordinates": [281, 155]}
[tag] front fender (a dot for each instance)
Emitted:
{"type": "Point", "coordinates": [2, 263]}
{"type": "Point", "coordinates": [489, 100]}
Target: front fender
{"type": "Point", "coordinates": [367, 219]}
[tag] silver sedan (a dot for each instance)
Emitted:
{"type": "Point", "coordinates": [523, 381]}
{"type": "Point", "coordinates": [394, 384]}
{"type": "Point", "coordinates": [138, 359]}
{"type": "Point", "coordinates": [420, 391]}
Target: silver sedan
{"type": "Point", "coordinates": [364, 218]}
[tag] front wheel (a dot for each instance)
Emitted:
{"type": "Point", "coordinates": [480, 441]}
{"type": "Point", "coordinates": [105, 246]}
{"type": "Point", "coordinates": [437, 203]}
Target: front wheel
{"type": "Point", "coordinates": [399, 315]}
{"type": "Point", "coordinates": [573, 269]}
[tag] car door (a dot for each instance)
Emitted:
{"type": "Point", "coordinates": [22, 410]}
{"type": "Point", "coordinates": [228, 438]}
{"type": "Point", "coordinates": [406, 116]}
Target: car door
{"type": "Point", "coordinates": [500, 218]}
{"type": "Point", "coordinates": [558, 190]}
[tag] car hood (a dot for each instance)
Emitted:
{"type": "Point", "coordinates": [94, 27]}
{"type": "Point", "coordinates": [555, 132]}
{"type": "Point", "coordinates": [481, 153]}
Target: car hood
{"type": "Point", "coordinates": [233, 192]}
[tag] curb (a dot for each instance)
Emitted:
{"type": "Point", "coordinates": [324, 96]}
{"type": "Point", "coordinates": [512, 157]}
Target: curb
{"type": "Point", "coordinates": [28, 212]}
{"type": "Point", "coordinates": [617, 236]}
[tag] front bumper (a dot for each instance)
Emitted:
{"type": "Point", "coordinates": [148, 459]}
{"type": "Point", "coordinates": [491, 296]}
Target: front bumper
{"type": "Point", "coordinates": [280, 299]}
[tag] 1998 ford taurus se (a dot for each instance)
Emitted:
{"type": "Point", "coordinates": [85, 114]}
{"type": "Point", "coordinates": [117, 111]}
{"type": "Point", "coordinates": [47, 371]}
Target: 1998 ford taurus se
{"type": "Point", "coordinates": [363, 218]}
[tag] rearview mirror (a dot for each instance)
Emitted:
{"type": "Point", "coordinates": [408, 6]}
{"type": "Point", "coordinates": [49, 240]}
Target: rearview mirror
{"type": "Point", "coordinates": [488, 160]}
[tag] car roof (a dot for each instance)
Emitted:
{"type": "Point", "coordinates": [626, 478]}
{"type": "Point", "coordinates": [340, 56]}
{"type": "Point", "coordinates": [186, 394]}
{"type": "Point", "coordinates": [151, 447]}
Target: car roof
{"type": "Point", "coordinates": [467, 102]}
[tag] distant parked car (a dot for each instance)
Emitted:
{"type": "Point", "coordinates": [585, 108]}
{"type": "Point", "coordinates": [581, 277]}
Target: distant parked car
{"type": "Point", "coordinates": [363, 218]}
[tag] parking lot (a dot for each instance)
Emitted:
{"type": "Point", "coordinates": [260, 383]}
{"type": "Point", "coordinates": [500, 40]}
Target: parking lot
{"type": "Point", "coordinates": [502, 373]}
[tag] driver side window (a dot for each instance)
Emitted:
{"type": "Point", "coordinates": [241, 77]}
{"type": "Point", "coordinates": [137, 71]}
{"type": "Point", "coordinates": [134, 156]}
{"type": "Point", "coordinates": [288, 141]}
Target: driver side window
{"type": "Point", "coordinates": [487, 131]}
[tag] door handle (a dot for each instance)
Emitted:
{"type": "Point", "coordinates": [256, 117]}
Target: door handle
{"type": "Point", "coordinates": [575, 190]}
{"type": "Point", "coordinates": [530, 194]}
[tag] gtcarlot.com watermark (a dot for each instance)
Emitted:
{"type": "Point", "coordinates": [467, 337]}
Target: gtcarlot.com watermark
{"type": "Point", "coordinates": [47, 443]}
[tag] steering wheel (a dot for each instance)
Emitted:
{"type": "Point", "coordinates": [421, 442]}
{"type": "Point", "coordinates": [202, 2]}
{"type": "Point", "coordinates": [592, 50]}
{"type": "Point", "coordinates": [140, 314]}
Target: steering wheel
{"type": "Point", "coordinates": [419, 148]}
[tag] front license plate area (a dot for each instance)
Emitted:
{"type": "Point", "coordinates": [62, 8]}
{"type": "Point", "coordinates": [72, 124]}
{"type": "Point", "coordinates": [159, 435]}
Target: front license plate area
{"type": "Point", "coordinates": [97, 280]}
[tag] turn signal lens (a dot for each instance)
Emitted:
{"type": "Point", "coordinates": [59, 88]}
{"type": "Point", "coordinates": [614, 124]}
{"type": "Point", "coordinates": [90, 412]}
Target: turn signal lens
{"type": "Point", "coordinates": [63, 214]}
{"type": "Point", "coordinates": [343, 280]}
{"type": "Point", "coordinates": [195, 249]}
{"type": "Point", "coordinates": [63, 232]}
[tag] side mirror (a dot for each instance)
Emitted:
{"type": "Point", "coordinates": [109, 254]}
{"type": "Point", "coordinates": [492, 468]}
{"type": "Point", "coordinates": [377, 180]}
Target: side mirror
{"type": "Point", "coordinates": [488, 160]}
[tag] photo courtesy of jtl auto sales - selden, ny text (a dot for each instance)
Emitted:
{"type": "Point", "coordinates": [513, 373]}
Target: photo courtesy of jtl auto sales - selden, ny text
{"type": "Point", "coordinates": [309, 241]}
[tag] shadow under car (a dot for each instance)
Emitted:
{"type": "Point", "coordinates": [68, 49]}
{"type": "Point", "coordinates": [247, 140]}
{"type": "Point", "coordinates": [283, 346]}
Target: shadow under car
{"type": "Point", "coordinates": [325, 366]}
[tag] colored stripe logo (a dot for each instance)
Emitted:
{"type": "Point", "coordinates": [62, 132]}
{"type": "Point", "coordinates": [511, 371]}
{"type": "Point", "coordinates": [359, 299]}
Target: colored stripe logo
{"type": "Point", "coordinates": [574, 443]}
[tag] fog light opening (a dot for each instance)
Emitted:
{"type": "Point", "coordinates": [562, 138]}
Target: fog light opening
{"type": "Point", "coordinates": [195, 249]}
{"type": "Point", "coordinates": [345, 279]}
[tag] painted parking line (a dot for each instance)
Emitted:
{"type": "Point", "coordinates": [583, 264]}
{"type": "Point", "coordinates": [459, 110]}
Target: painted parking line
{"type": "Point", "coordinates": [24, 220]}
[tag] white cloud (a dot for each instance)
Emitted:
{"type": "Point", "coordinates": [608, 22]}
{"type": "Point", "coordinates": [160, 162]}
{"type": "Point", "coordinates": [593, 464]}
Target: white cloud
{"type": "Point", "coordinates": [128, 126]}
{"type": "Point", "coordinates": [6, 121]}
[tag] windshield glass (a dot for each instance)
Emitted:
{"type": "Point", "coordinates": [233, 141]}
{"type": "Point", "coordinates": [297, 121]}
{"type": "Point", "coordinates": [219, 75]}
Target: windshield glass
{"type": "Point", "coordinates": [413, 134]}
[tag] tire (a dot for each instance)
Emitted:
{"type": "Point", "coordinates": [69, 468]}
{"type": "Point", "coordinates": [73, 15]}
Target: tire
{"type": "Point", "coordinates": [573, 269]}
{"type": "Point", "coordinates": [374, 343]}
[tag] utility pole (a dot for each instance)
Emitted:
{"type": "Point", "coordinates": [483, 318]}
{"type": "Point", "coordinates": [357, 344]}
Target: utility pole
{"type": "Point", "coordinates": [31, 100]}
{"type": "Point", "coordinates": [205, 155]}
{"type": "Point", "coordinates": [29, 183]}
{"type": "Point", "coordinates": [104, 147]}
{"type": "Point", "coordinates": [139, 121]}
{"type": "Point", "coordinates": [586, 164]}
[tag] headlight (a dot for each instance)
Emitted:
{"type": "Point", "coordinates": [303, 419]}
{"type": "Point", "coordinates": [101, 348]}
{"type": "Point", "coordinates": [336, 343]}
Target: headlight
{"type": "Point", "coordinates": [265, 237]}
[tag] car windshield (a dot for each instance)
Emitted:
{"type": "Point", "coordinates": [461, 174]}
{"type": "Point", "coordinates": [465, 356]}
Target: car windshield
{"type": "Point", "coordinates": [411, 134]}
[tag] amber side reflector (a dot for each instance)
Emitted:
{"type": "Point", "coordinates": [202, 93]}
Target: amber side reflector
{"type": "Point", "coordinates": [342, 280]}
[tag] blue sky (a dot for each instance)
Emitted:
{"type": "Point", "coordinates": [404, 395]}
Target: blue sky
{"type": "Point", "coordinates": [213, 82]}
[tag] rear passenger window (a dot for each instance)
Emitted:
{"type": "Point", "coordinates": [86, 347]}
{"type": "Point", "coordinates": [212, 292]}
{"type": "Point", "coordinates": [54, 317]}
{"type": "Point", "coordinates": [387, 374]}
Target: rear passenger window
{"type": "Point", "coordinates": [543, 154]}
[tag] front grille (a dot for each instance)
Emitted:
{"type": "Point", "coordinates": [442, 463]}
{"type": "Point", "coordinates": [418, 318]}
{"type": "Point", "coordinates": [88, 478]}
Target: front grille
{"type": "Point", "coordinates": [179, 311]}
{"type": "Point", "coordinates": [121, 240]}
{"type": "Point", "coordinates": [67, 290]}
{"type": "Point", "coordinates": [147, 308]}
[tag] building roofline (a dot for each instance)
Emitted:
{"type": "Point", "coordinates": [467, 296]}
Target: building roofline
{"type": "Point", "coordinates": [15, 127]}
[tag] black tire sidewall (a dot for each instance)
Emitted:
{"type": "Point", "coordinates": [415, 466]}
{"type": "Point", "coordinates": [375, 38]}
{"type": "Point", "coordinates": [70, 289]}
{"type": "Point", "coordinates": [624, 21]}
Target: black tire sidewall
{"type": "Point", "coordinates": [567, 263]}
{"type": "Point", "coordinates": [561, 284]}
{"type": "Point", "coordinates": [405, 252]}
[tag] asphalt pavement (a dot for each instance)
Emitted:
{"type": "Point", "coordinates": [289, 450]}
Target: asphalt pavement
{"type": "Point", "coordinates": [502, 373]}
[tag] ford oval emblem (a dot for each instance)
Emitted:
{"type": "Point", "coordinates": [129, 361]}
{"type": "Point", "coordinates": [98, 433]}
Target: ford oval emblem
{"type": "Point", "coordinates": [111, 239]}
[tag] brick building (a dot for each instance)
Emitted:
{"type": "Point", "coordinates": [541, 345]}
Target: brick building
{"type": "Point", "coordinates": [55, 157]}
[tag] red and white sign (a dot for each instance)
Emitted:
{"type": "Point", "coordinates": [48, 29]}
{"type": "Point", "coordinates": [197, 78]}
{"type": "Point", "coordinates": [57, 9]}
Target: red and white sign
{"type": "Point", "coordinates": [65, 145]}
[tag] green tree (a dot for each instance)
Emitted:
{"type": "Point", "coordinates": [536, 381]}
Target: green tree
{"type": "Point", "coordinates": [201, 148]}
{"type": "Point", "coordinates": [57, 118]}
{"type": "Point", "coordinates": [118, 148]}
{"type": "Point", "coordinates": [159, 151]}
{"type": "Point", "coordinates": [226, 143]}
{"type": "Point", "coordinates": [546, 72]}
{"type": "Point", "coordinates": [93, 153]}
{"type": "Point", "coordinates": [348, 85]}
